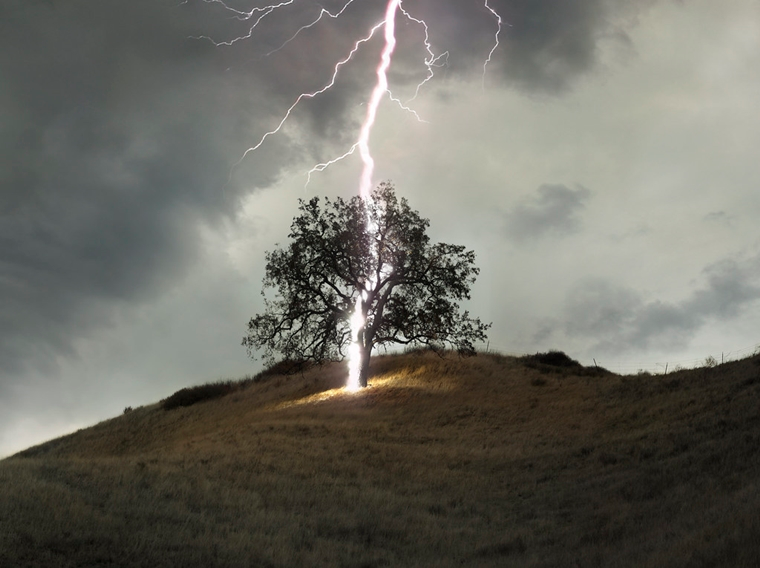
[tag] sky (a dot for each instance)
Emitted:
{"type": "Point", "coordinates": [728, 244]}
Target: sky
{"type": "Point", "coordinates": [604, 168]}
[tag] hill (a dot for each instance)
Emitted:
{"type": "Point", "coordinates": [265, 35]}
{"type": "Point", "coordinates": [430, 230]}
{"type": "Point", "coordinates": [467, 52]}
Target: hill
{"type": "Point", "coordinates": [486, 461]}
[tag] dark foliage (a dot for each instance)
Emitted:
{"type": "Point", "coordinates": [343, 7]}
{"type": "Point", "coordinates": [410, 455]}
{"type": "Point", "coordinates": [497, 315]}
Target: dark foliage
{"type": "Point", "coordinates": [408, 290]}
{"type": "Point", "coordinates": [560, 363]}
{"type": "Point", "coordinates": [191, 395]}
{"type": "Point", "coordinates": [284, 367]}
{"type": "Point", "coordinates": [553, 358]}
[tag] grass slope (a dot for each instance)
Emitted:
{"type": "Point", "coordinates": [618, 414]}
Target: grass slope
{"type": "Point", "coordinates": [488, 461]}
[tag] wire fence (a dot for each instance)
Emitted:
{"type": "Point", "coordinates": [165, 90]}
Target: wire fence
{"type": "Point", "coordinates": [662, 366]}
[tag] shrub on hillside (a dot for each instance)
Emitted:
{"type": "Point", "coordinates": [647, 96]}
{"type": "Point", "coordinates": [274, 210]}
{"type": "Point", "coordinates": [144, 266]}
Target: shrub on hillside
{"type": "Point", "coordinates": [419, 350]}
{"type": "Point", "coordinates": [190, 395]}
{"type": "Point", "coordinates": [559, 362]}
{"type": "Point", "coordinates": [284, 367]}
{"type": "Point", "coordinates": [553, 358]}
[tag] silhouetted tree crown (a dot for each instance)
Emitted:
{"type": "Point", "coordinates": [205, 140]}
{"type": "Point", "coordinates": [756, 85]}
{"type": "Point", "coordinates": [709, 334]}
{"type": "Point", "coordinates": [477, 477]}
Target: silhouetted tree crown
{"type": "Point", "coordinates": [378, 250]}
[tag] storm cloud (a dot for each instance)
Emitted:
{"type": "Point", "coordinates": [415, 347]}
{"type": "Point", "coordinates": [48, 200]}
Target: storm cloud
{"type": "Point", "coordinates": [552, 211]}
{"type": "Point", "coordinates": [121, 124]}
{"type": "Point", "coordinates": [115, 150]}
{"type": "Point", "coordinates": [546, 44]}
{"type": "Point", "coordinates": [619, 319]}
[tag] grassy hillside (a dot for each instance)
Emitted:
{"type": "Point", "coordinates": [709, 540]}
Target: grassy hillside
{"type": "Point", "coordinates": [488, 461]}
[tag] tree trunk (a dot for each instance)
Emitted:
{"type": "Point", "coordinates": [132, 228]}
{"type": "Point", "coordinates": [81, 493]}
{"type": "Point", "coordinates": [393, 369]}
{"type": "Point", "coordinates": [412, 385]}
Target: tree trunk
{"type": "Point", "coordinates": [364, 370]}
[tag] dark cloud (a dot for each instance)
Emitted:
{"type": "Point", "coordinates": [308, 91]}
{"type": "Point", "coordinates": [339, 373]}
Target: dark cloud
{"type": "Point", "coordinates": [544, 44]}
{"type": "Point", "coordinates": [621, 320]}
{"type": "Point", "coordinates": [550, 43]}
{"type": "Point", "coordinates": [118, 137]}
{"type": "Point", "coordinates": [597, 308]}
{"type": "Point", "coordinates": [553, 211]}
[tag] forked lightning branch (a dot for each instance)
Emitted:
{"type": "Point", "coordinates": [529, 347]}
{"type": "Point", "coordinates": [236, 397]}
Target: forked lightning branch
{"type": "Point", "coordinates": [432, 61]}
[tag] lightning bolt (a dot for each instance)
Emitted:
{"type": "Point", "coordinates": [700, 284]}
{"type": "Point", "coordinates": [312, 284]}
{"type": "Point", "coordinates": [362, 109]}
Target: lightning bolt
{"type": "Point", "coordinates": [365, 185]}
{"type": "Point", "coordinates": [258, 13]}
{"type": "Point", "coordinates": [311, 95]}
{"type": "Point", "coordinates": [432, 62]}
{"type": "Point", "coordinates": [358, 319]}
{"type": "Point", "coordinates": [496, 40]}
{"type": "Point", "coordinates": [380, 90]}
{"type": "Point", "coordinates": [322, 14]}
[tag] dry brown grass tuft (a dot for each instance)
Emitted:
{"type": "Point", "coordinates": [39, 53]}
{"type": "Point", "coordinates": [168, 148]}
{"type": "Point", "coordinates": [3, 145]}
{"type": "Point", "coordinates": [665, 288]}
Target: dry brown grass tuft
{"type": "Point", "coordinates": [488, 461]}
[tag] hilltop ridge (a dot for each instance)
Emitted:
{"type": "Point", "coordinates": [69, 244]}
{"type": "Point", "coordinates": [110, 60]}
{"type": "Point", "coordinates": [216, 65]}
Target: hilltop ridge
{"type": "Point", "coordinates": [490, 460]}
{"type": "Point", "coordinates": [402, 382]}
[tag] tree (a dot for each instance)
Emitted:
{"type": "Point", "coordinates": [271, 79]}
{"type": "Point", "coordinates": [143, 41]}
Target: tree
{"type": "Point", "coordinates": [372, 256]}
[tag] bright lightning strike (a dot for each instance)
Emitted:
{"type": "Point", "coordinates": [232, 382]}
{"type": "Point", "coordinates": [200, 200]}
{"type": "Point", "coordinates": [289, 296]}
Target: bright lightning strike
{"type": "Point", "coordinates": [365, 185]}
{"type": "Point", "coordinates": [358, 319]}
{"type": "Point", "coordinates": [432, 61]}
{"type": "Point", "coordinates": [354, 350]}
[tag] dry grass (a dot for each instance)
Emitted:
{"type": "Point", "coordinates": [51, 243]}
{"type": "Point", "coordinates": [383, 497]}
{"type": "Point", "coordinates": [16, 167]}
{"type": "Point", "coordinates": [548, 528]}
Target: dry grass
{"type": "Point", "coordinates": [486, 461]}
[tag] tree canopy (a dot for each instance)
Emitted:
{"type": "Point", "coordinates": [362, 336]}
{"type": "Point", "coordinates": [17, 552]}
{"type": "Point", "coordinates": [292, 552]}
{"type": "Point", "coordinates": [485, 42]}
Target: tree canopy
{"type": "Point", "coordinates": [376, 255]}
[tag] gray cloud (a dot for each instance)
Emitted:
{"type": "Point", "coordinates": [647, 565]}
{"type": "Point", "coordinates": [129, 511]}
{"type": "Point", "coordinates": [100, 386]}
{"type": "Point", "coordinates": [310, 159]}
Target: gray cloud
{"type": "Point", "coordinates": [639, 230]}
{"type": "Point", "coordinates": [621, 320]}
{"type": "Point", "coordinates": [720, 217]}
{"type": "Point", "coordinates": [545, 44]}
{"type": "Point", "coordinates": [553, 211]}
